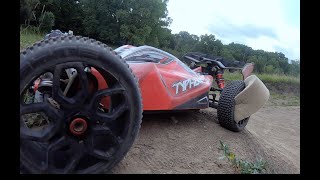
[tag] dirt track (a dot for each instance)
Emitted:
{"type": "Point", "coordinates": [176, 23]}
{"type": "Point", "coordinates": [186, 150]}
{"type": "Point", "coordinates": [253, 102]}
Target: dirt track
{"type": "Point", "coordinates": [188, 142]}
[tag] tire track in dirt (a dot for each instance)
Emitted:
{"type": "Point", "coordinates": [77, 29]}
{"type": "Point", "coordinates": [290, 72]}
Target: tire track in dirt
{"type": "Point", "coordinates": [188, 142]}
{"type": "Point", "coordinates": [278, 131]}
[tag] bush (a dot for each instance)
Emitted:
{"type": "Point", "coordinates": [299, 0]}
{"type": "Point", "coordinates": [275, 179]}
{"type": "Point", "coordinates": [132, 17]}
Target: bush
{"type": "Point", "coordinates": [46, 21]}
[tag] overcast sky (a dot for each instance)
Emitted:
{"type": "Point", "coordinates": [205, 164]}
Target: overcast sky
{"type": "Point", "coordinates": [271, 25]}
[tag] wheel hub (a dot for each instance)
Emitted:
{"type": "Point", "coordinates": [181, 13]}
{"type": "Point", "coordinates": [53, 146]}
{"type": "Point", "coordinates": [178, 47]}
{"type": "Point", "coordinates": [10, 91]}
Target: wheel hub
{"type": "Point", "coordinates": [78, 126]}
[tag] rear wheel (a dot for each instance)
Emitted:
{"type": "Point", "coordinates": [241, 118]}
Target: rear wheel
{"type": "Point", "coordinates": [64, 126]}
{"type": "Point", "coordinates": [226, 105]}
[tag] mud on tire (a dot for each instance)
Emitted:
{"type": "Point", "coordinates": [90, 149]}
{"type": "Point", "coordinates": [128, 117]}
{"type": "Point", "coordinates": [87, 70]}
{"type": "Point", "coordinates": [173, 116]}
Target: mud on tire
{"type": "Point", "coordinates": [226, 105]}
{"type": "Point", "coordinates": [106, 141]}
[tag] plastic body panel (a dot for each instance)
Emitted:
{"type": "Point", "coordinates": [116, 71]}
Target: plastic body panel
{"type": "Point", "coordinates": [168, 86]}
{"type": "Point", "coordinates": [165, 82]}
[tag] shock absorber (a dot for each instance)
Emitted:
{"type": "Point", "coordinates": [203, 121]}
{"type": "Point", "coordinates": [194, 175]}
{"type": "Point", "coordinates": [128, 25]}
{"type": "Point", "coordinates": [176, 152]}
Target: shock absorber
{"type": "Point", "coordinates": [219, 78]}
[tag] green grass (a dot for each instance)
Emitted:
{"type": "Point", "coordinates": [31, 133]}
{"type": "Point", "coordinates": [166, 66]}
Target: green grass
{"type": "Point", "coordinates": [284, 90]}
{"type": "Point", "coordinates": [274, 78]}
{"type": "Point", "coordinates": [240, 165]}
{"type": "Point", "coordinates": [28, 38]}
{"type": "Point", "coordinates": [277, 99]}
{"type": "Point", "coordinates": [29, 35]}
{"type": "Point", "coordinates": [267, 78]}
{"type": "Point", "coordinates": [232, 76]}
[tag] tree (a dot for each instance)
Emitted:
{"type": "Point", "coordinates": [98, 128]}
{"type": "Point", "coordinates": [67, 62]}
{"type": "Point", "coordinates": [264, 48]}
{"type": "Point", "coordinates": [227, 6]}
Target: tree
{"type": "Point", "coordinates": [185, 42]}
{"type": "Point", "coordinates": [68, 14]}
{"type": "Point", "coordinates": [140, 22]}
{"type": "Point", "coordinates": [294, 68]}
{"type": "Point", "coordinates": [210, 45]}
{"type": "Point", "coordinates": [165, 37]}
{"type": "Point", "coordinates": [240, 52]}
{"type": "Point", "coordinates": [25, 12]}
{"type": "Point", "coordinates": [259, 64]}
{"type": "Point", "coordinates": [226, 53]}
{"type": "Point", "coordinates": [28, 12]}
{"type": "Point", "coordinates": [46, 21]}
{"type": "Point", "coordinates": [130, 21]}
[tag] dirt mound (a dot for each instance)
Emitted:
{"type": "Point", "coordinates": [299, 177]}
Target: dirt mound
{"type": "Point", "coordinates": [188, 142]}
{"type": "Point", "coordinates": [281, 88]}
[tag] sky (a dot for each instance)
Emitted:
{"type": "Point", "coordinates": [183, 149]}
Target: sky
{"type": "Point", "coordinates": [270, 25]}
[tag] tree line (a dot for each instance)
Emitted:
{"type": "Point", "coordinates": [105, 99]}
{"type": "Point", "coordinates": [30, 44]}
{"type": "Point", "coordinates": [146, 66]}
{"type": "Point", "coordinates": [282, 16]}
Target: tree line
{"type": "Point", "coordinates": [141, 22]}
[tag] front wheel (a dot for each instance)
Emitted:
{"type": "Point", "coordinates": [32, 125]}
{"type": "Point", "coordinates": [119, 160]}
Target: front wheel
{"type": "Point", "coordinates": [68, 123]}
{"type": "Point", "coordinates": [226, 105]}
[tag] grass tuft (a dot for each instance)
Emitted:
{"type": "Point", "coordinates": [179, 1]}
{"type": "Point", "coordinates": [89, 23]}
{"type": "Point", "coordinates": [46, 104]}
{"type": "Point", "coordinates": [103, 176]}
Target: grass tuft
{"type": "Point", "coordinates": [243, 166]}
{"type": "Point", "coordinates": [28, 36]}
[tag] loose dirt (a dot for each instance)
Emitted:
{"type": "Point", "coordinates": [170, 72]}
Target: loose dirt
{"type": "Point", "coordinates": [187, 142]}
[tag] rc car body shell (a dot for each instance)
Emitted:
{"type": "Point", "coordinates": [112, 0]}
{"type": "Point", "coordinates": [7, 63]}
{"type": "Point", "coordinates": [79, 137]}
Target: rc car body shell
{"type": "Point", "coordinates": [165, 82]}
{"type": "Point", "coordinates": [171, 86]}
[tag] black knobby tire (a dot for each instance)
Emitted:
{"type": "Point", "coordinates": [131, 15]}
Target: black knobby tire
{"type": "Point", "coordinates": [226, 105]}
{"type": "Point", "coordinates": [51, 52]}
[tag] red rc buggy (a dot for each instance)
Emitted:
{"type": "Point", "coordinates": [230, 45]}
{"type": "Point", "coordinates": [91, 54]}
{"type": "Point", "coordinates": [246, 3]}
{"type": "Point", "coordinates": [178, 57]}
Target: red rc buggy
{"type": "Point", "coordinates": [81, 102]}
